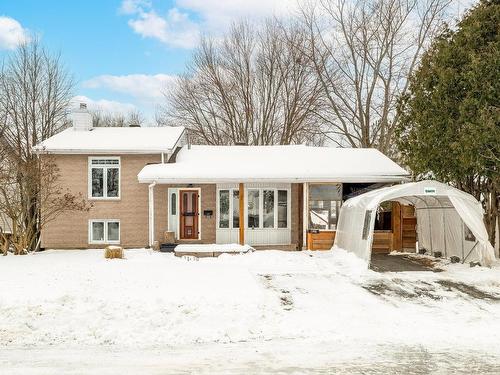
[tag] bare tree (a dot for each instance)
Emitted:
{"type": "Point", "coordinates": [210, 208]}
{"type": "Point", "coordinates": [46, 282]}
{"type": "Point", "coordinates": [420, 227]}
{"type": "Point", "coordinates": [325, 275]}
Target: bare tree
{"type": "Point", "coordinates": [135, 119]}
{"type": "Point", "coordinates": [251, 87]}
{"type": "Point", "coordinates": [362, 52]}
{"type": "Point", "coordinates": [35, 91]}
{"type": "Point", "coordinates": [108, 119]}
{"type": "Point", "coordinates": [40, 175]}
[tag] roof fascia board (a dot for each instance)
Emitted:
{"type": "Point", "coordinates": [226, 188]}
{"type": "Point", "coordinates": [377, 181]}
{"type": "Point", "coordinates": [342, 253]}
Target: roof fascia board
{"type": "Point", "coordinates": [350, 179]}
{"type": "Point", "coordinates": [98, 152]}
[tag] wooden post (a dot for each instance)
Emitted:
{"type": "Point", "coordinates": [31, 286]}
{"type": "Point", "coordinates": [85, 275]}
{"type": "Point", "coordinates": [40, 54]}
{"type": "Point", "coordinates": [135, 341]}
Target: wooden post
{"type": "Point", "coordinates": [305, 213]}
{"type": "Point", "coordinates": [397, 235]}
{"type": "Point", "coordinates": [300, 213]}
{"type": "Point", "coordinates": [241, 196]}
{"type": "Point", "coordinates": [151, 201]}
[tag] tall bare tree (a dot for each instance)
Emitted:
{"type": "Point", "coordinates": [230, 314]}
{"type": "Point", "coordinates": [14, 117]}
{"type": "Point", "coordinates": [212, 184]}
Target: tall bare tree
{"type": "Point", "coordinates": [251, 87]}
{"type": "Point", "coordinates": [108, 119]}
{"type": "Point", "coordinates": [35, 91]}
{"type": "Point", "coordinates": [362, 52]}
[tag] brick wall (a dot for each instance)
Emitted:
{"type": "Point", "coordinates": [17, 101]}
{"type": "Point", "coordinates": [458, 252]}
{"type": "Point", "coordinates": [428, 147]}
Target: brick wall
{"type": "Point", "coordinates": [70, 230]}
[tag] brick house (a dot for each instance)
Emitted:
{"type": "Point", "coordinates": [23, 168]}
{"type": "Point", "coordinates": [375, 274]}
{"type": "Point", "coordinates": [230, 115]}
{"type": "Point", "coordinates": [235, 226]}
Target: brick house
{"type": "Point", "coordinates": [146, 181]}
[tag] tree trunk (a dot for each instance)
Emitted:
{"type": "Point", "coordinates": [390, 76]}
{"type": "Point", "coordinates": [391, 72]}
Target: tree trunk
{"type": "Point", "coordinates": [491, 214]}
{"type": "Point", "coordinates": [5, 245]}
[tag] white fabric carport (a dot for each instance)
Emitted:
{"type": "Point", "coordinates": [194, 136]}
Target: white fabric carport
{"type": "Point", "coordinates": [441, 213]}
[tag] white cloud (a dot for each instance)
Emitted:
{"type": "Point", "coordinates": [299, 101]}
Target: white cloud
{"type": "Point", "coordinates": [142, 86]}
{"type": "Point", "coordinates": [220, 13]}
{"type": "Point", "coordinates": [11, 33]}
{"type": "Point", "coordinates": [133, 6]}
{"type": "Point", "coordinates": [175, 29]}
{"type": "Point", "coordinates": [109, 106]}
{"type": "Point", "coordinates": [182, 24]}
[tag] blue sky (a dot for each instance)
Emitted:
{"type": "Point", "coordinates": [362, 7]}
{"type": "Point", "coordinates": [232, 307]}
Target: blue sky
{"type": "Point", "coordinates": [95, 39]}
{"type": "Point", "coordinates": [122, 53]}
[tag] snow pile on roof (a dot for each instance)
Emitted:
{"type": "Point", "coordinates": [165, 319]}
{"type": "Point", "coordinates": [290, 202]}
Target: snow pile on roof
{"type": "Point", "coordinates": [104, 140]}
{"type": "Point", "coordinates": [293, 163]}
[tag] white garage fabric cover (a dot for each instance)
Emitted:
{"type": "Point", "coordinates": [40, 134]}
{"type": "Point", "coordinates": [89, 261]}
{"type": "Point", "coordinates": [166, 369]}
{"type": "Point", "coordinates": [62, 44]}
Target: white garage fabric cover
{"type": "Point", "coordinates": [441, 211]}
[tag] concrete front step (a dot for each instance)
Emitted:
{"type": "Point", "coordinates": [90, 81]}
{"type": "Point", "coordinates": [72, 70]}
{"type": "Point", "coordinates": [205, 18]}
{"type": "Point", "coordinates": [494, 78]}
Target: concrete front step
{"type": "Point", "coordinates": [210, 250]}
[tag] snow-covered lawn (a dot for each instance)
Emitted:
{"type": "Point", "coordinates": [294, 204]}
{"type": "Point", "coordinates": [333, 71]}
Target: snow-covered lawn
{"type": "Point", "coordinates": [266, 310]}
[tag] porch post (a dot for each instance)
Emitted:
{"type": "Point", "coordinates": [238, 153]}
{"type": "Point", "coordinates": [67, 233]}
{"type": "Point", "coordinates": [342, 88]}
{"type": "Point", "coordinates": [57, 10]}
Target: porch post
{"type": "Point", "coordinates": [151, 204]}
{"type": "Point", "coordinates": [241, 196]}
{"type": "Point", "coordinates": [305, 218]}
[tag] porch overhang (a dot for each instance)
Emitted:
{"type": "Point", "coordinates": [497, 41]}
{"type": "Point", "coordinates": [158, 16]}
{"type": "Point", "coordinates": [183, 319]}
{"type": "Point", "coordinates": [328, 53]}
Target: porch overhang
{"type": "Point", "coordinates": [255, 167]}
{"type": "Point", "coordinates": [192, 179]}
{"type": "Point", "coordinates": [274, 164]}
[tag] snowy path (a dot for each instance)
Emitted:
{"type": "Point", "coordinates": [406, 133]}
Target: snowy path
{"type": "Point", "coordinates": [277, 357]}
{"type": "Point", "coordinates": [298, 312]}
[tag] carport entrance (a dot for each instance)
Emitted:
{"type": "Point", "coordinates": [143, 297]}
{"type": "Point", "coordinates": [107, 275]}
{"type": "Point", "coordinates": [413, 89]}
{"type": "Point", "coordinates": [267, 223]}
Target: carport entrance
{"type": "Point", "coordinates": [449, 221]}
{"type": "Point", "coordinates": [395, 228]}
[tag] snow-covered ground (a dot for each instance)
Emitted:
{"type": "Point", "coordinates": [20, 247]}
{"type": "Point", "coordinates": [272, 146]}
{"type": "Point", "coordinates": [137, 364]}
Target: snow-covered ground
{"type": "Point", "coordinates": [290, 312]}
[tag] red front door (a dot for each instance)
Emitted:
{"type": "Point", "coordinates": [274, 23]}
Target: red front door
{"type": "Point", "coordinates": [188, 214]}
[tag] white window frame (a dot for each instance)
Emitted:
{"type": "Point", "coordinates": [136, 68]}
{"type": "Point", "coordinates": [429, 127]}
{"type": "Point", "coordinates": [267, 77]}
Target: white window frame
{"type": "Point", "coordinates": [105, 221]}
{"type": "Point", "coordinates": [261, 208]}
{"type": "Point", "coordinates": [308, 208]}
{"type": "Point", "coordinates": [173, 220]}
{"type": "Point", "coordinates": [105, 177]}
{"type": "Point", "coordinates": [231, 206]}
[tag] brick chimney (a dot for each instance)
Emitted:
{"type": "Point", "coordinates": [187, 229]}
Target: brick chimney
{"type": "Point", "coordinates": [82, 119]}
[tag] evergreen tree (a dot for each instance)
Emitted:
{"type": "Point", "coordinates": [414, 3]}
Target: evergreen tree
{"type": "Point", "coordinates": [450, 117]}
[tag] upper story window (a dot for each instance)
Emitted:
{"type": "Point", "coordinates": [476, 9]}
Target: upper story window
{"type": "Point", "coordinates": [104, 178]}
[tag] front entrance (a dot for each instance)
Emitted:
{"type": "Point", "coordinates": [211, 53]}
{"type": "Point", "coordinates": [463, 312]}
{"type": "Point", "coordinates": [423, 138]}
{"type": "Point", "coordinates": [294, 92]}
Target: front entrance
{"type": "Point", "coordinates": [189, 215]}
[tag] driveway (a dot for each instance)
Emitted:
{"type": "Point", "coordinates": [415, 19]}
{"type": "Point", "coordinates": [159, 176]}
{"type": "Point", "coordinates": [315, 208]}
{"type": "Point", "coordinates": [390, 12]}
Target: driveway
{"type": "Point", "coordinates": [395, 263]}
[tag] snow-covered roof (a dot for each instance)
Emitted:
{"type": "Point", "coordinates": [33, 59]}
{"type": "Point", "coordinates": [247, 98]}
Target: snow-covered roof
{"type": "Point", "coordinates": [110, 140]}
{"type": "Point", "coordinates": [294, 163]}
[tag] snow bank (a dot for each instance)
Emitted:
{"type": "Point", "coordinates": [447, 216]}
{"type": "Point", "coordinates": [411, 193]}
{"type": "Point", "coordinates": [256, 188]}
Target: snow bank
{"type": "Point", "coordinates": [78, 299]}
{"type": "Point", "coordinates": [347, 262]}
